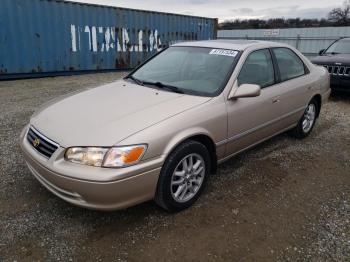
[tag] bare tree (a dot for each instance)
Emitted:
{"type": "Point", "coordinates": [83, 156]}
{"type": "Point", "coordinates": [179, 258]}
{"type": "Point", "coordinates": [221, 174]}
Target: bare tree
{"type": "Point", "coordinates": [341, 16]}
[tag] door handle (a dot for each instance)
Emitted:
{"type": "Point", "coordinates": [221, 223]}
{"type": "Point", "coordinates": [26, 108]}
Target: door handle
{"type": "Point", "coordinates": [276, 100]}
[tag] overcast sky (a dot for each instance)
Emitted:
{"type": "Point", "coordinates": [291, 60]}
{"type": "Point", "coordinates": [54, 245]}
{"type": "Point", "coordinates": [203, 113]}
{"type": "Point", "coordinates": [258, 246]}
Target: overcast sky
{"type": "Point", "coordinates": [230, 9]}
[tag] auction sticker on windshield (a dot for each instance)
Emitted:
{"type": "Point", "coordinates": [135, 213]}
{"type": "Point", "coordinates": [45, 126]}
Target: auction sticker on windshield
{"type": "Point", "coordinates": [224, 52]}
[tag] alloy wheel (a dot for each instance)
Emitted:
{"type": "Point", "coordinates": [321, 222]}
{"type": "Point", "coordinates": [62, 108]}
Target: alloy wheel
{"type": "Point", "coordinates": [187, 178]}
{"type": "Point", "coordinates": [309, 118]}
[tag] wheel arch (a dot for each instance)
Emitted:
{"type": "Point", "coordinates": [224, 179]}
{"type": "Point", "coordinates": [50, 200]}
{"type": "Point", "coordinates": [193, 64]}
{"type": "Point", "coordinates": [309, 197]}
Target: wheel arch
{"type": "Point", "coordinates": [318, 99]}
{"type": "Point", "coordinates": [201, 136]}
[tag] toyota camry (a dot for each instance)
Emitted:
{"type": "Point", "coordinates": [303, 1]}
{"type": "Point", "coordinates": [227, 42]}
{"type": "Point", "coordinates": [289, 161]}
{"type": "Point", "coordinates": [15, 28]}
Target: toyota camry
{"type": "Point", "coordinates": [161, 131]}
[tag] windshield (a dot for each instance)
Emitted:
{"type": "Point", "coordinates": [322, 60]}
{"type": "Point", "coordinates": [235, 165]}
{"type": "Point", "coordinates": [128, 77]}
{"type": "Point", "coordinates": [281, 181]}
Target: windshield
{"type": "Point", "coordinates": [189, 70]}
{"type": "Point", "coordinates": [339, 47]}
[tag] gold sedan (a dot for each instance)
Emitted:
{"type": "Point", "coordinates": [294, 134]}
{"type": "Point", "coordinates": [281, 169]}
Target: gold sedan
{"type": "Point", "coordinates": [162, 130]}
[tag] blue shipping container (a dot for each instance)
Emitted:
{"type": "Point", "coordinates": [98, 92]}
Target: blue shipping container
{"type": "Point", "coordinates": [48, 37]}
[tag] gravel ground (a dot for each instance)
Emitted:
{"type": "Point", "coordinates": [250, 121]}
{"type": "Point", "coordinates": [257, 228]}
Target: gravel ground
{"type": "Point", "coordinates": [284, 200]}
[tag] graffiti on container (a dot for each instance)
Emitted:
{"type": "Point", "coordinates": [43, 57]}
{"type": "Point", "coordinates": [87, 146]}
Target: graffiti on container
{"type": "Point", "coordinates": [103, 39]}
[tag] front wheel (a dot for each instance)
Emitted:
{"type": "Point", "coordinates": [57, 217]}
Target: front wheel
{"type": "Point", "coordinates": [307, 121]}
{"type": "Point", "coordinates": [183, 176]}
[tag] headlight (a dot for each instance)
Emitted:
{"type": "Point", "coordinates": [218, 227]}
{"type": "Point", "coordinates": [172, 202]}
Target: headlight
{"type": "Point", "coordinates": [106, 157]}
{"type": "Point", "coordinates": [124, 156]}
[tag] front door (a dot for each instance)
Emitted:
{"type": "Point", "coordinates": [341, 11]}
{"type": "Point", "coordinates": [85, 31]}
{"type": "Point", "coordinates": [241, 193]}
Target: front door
{"type": "Point", "coordinates": [251, 120]}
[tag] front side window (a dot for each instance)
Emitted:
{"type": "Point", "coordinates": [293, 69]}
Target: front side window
{"type": "Point", "coordinates": [258, 69]}
{"type": "Point", "coordinates": [289, 64]}
{"type": "Point", "coordinates": [339, 47]}
{"type": "Point", "coordinates": [192, 70]}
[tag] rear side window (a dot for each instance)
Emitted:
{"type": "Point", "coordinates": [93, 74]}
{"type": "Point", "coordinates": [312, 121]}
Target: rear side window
{"type": "Point", "coordinates": [289, 64]}
{"type": "Point", "coordinates": [258, 69]}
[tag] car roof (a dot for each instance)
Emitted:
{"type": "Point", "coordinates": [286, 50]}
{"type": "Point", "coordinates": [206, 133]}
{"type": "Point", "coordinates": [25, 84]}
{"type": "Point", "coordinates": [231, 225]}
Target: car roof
{"type": "Point", "coordinates": [239, 45]}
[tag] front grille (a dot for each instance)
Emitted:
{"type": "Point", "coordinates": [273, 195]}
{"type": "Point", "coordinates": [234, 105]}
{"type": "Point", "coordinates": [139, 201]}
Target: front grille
{"type": "Point", "coordinates": [338, 70]}
{"type": "Point", "coordinates": [40, 143]}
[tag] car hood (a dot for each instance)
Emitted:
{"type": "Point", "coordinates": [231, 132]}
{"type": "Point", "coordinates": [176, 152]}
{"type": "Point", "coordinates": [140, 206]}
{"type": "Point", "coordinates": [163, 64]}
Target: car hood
{"type": "Point", "coordinates": [108, 114]}
{"type": "Point", "coordinates": [332, 59]}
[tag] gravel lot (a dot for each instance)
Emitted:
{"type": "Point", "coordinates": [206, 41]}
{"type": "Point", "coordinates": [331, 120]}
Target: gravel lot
{"type": "Point", "coordinates": [283, 200]}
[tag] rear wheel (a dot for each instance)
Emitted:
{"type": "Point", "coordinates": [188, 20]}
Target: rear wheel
{"type": "Point", "coordinates": [307, 121]}
{"type": "Point", "coordinates": [183, 176]}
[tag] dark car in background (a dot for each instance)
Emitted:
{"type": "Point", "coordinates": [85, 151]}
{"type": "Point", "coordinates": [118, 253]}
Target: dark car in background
{"type": "Point", "coordinates": [336, 58]}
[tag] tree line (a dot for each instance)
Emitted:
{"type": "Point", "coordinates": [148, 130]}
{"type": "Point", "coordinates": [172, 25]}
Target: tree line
{"type": "Point", "coordinates": [336, 17]}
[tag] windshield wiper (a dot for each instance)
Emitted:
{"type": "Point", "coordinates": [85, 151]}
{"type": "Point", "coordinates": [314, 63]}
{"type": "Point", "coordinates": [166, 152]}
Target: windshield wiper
{"type": "Point", "coordinates": [165, 86]}
{"type": "Point", "coordinates": [137, 81]}
{"type": "Point", "coordinates": [157, 84]}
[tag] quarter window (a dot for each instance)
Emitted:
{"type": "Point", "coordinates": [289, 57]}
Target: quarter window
{"type": "Point", "coordinates": [289, 64]}
{"type": "Point", "coordinates": [257, 69]}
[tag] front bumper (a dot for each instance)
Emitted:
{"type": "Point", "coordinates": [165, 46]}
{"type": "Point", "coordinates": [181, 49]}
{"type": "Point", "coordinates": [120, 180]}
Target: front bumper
{"type": "Point", "coordinates": [105, 189]}
{"type": "Point", "coordinates": [341, 83]}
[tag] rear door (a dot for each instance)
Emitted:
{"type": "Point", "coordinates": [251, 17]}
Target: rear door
{"type": "Point", "coordinates": [295, 85]}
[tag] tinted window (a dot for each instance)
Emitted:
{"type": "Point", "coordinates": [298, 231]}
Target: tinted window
{"type": "Point", "coordinates": [257, 69]}
{"type": "Point", "coordinates": [193, 70]}
{"type": "Point", "coordinates": [289, 64]}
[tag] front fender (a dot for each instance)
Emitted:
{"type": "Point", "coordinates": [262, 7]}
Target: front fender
{"type": "Point", "coordinates": [209, 119]}
{"type": "Point", "coordinates": [183, 136]}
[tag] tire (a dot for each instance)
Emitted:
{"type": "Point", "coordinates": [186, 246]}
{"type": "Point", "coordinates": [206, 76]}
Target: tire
{"type": "Point", "coordinates": [307, 121]}
{"type": "Point", "coordinates": [178, 189]}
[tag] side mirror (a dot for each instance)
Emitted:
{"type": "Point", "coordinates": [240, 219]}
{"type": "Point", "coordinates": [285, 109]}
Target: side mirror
{"type": "Point", "coordinates": [246, 90]}
{"type": "Point", "coordinates": [321, 52]}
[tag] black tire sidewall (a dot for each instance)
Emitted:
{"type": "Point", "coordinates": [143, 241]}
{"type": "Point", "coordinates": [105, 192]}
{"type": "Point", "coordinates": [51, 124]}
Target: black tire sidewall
{"type": "Point", "coordinates": [300, 125]}
{"type": "Point", "coordinates": [164, 183]}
